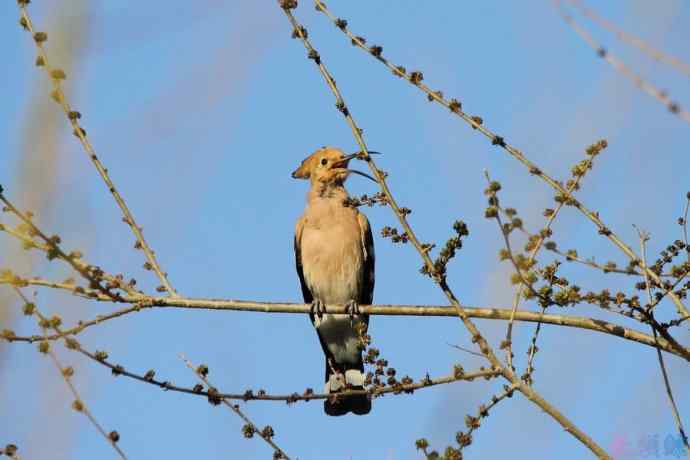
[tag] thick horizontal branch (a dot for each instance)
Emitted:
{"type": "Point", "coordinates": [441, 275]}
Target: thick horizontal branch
{"type": "Point", "coordinates": [385, 310]}
{"type": "Point", "coordinates": [429, 310]}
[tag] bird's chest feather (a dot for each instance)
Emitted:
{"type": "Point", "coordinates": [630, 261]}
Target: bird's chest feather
{"type": "Point", "coordinates": [332, 256]}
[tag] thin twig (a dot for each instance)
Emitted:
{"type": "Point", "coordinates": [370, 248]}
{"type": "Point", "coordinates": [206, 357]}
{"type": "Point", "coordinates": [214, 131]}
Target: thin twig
{"type": "Point", "coordinates": [466, 350]}
{"type": "Point", "coordinates": [622, 68]}
{"type": "Point", "coordinates": [644, 237]}
{"type": "Point", "coordinates": [574, 185]}
{"type": "Point", "coordinates": [266, 434]}
{"type": "Point", "coordinates": [261, 395]}
{"type": "Point", "coordinates": [30, 243]}
{"type": "Point", "coordinates": [473, 423]}
{"type": "Point", "coordinates": [69, 286]}
{"type": "Point", "coordinates": [464, 439]}
{"type": "Point", "coordinates": [629, 38]}
{"type": "Point", "coordinates": [56, 250]}
{"type": "Point", "coordinates": [685, 223]}
{"type": "Point", "coordinates": [590, 262]}
{"type": "Point", "coordinates": [66, 372]}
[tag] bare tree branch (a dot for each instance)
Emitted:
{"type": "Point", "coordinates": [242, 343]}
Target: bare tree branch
{"type": "Point", "coordinates": [477, 337]}
{"type": "Point", "coordinates": [476, 122]}
{"type": "Point", "coordinates": [249, 429]}
{"type": "Point", "coordinates": [622, 68]}
{"type": "Point", "coordinates": [489, 313]}
{"type": "Point", "coordinates": [66, 373]}
{"type": "Point", "coordinates": [57, 75]}
{"type": "Point", "coordinates": [644, 237]}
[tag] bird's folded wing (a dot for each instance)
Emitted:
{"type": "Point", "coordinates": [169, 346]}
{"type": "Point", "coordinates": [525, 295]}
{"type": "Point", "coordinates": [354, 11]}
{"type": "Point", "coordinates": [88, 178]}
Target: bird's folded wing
{"type": "Point", "coordinates": [306, 293]}
{"type": "Point", "coordinates": [366, 293]}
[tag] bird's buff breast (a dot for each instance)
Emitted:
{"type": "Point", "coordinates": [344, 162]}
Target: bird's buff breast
{"type": "Point", "coordinates": [332, 259]}
{"type": "Point", "coordinates": [333, 268]}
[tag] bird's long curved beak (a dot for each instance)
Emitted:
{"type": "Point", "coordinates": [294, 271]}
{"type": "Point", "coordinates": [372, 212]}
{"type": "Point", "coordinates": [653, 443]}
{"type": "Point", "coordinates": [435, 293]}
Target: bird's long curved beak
{"type": "Point", "coordinates": [361, 174]}
{"type": "Point", "coordinates": [370, 152]}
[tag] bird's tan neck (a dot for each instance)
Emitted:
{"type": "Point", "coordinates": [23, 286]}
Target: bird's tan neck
{"type": "Point", "coordinates": [321, 191]}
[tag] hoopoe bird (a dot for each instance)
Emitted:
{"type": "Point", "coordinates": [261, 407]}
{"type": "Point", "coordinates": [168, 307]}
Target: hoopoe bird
{"type": "Point", "coordinates": [334, 255]}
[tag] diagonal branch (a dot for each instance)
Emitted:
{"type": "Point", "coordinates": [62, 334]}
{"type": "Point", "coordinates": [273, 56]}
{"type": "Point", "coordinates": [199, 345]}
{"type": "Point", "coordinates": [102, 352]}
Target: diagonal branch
{"type": "Point", "coordinates": [55, 251]}
{"type": "Point", "coordinates": [637, 42]}
{"type": "Point", "coordinates": [622, 68]}
{"type": "Point", "coordinates": [477, 337]}
{"type": "Point", "coordinates": [455, 107]}
{"type": "Point", "coordinates": [266, 434]}
{"type": "Point", "coordinates": [66, 374]}
{"type": "Point", "coordinates": [592, 151]}
{"type": "Point", "coordinates": [57, 75]}
{"type": "Point", "coordinates": [81, 265]}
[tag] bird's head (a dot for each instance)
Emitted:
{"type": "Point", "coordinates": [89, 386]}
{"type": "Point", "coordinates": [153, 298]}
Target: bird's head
{"type": "Point", "coordinates": [327, 166]}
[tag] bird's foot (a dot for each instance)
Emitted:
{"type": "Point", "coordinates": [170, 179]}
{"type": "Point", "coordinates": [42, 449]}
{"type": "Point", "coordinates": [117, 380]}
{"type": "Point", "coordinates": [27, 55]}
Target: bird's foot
{"type": "Point", "coordinates": [352, 309]}
{"type": "Point", "coordinates": [318, 308]}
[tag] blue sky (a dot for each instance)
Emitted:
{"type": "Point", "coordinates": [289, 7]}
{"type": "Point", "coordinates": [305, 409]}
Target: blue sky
{"type": "Point", "coordinates": [201, 110]}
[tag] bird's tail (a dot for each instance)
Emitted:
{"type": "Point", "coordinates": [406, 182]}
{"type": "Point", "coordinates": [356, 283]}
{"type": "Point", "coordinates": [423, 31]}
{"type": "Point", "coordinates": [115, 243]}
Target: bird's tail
{"type": "Point", "coordinates": [357, 404]}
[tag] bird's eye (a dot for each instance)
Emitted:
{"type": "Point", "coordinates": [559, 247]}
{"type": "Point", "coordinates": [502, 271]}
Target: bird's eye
{"type": "Point", "coordinates": [324, 161]}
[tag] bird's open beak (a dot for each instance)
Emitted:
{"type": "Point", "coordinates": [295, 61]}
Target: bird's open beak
{"type": "Point", "coordinates": [346, 159]}
{"type": "Point", "coordinates": [342, 163]}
